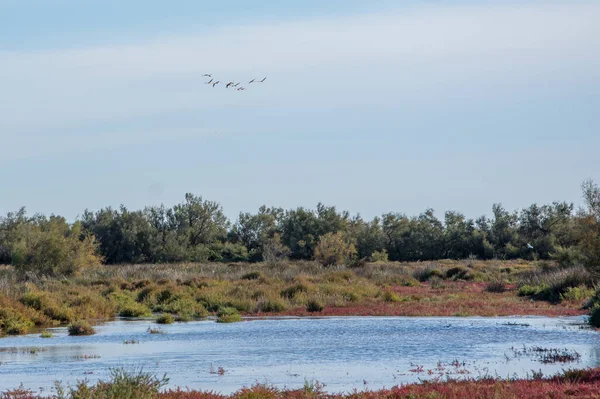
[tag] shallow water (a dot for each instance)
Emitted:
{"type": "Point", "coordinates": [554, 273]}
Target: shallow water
{"type": "Point", "coordinates": [343, 352]}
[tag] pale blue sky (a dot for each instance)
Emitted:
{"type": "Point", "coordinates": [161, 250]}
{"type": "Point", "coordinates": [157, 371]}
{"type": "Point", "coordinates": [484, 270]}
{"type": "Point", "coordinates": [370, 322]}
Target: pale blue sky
{"type": "Point", "coordinates": [372, 106]}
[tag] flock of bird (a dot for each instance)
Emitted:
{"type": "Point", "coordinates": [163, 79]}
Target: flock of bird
{"type": "Point", "coordinates": [233, 85]}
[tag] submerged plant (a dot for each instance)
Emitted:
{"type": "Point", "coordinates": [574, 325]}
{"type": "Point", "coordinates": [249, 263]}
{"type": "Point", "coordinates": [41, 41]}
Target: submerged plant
{"type": "Point", "coordinates": [46, 334]}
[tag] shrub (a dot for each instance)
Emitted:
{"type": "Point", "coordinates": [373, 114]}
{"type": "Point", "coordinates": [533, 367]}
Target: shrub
{"type": "Point", "coordinates": [551, 285]}
{"type": "Point", "coordinates": [228, 315]}
{"type": "Point", "coordinates": [122, 385]}
{"type": "Point", "coordinates": [391, 296]}
{"type": "Point", "coordinates": [32, 299]}
{"type": "Point", "coordinates": [528, 290]}
{"type": "Point", "coordinates": [577, 294]}
{"type": "Point", "coordinates": [185, 308]}
{"type": "Point", "coordinates": [164, 295]}
{"type": "Point", "coordinates": [425, 273]}
{"type": "Point", "coordinates": [16, 326]}
{"type": "Point", "coordinates": [270, 305]}
{"type": "Point", "coordinates": [134, 310]}
{"type": "Point", "coordinates": [81, 327]}
{"type": "Point", "coordinates": [594, 319]}
{"type": "Point", "coordinates": [497, 286]}
{"type": "Point", "coordinates": [252, 276]}
{"type": "Point", "coordinates": [165, 319]}
{"type": "Point", "coordinates": [409, 282]}
{"type": "Point", "coordinates": [333, 249]}
{"type": "Point", "coordinates": [145, 294]}
{"type": "Point", "coordinates": [314, 306]}
{"type": "Point", "coordinates": [379, 256]}
{"type": "Point", "coordinates": [291, 291]}
{"type": "Point", "coordinates": [458, 273]}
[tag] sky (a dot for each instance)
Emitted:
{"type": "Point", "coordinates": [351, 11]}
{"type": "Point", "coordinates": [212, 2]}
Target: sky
{"type": "Point", "coordinates": [373, 107]}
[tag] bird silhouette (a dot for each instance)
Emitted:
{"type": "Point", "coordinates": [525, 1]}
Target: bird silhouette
{"type": "Point", "coordinates": [216, 83]}
{"type": "Point", "coordinates": [529, 246]}
{"type": "Point", "coordinates": [208, 75]}
{"type": "Point", "coordinates": [252, 81]}
{"type": "Point", "coordinates": [209, 82]}
{"type": "Point", "coordinates": [263, 81]}
{"type": "Point", "coordinates": [229, 85]}
{"type": "Point", "coordinates": [241, 88]}
{"type": "Point", "coordinates": [237, 84]}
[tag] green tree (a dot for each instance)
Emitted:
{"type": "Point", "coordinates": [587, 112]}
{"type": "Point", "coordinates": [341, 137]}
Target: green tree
{"type": "Point", "coordinates": [588, 227]}
{"type": "Point", "coordinates": [51, 246]}
{"type": "Point", "coordinates": [201, 221]}
{"type": "Point", "coordinates": [254, 231]}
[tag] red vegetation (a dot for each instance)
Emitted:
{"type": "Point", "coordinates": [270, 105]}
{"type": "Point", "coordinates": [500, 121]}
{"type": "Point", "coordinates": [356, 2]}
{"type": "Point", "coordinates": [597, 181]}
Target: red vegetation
{"type": "Point", "coordinates": [573, 384]}
{"type": "Point", "coordinates": [578, 384]}
{"type": "Point", "coordinates": [454, 299]}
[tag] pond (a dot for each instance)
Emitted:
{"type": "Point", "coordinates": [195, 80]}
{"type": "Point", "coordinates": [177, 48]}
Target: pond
{"type": "Point", "coordinates": [343, 352]}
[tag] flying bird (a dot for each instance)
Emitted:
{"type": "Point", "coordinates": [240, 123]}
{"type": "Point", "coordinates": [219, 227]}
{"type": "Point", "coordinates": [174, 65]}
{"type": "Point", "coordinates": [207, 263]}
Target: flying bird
{"type": "Point", "coordinates": [529, 246]}
{"type": "Point", "coordinates": [237, 84]}
{"type": "Point", "coordinates": [263, 81]}
{"type": "Point", "coordinates": [208, 75]}
{"type": "Point", "coordinates": [209, 82]}
{"type": "Point", "coordinates": [241, 88]}
{"type": "Point", "coordinates": [252, 81]}
{"type": "Point", "coordinates": [216, 83]}
{"type": "Point", "coordinates": [229, 85]}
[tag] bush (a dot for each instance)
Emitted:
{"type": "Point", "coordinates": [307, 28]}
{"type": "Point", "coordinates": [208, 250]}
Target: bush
{"type": "Point", "coordinates": [391, 296]}
{"type": "Point", "coordinates": [314, 306]}
{"type": "Point", "coordinates": [553, 284]}
{"type": "Point", "coordinates": [497, 286]}
{"type": "Point", "coordinates": [425, 273]}
{"type": "Point", "coordinates": [291, 291]}
{"type": "Point", "coordinates": [46, 334]}
{"type": "Point", "coordinates": [228, 315]}
{"type": "Point", "coordinates": [333, 249]}
{"type": "Point", "coordinates": [134, 310]}
{"type": "Point", "coordinates": [81, 327]}
{"type": "Point", "coordinates": [528, 290]}
{"type": "Point", "coordinates": [594, 319]}
{"type": "Point", "coordinates": [122, 385]}
{"type": "Point", "coordinates": [379, 256]}
{"type": "Point", "coordinates": [186, 308]}
{"type": "Point", "coordinates": [270, 305]}
{"type": "Point", "coordinates": [577, 294]}
{"type": "Point", "coordinates": [165, 319]}
{"type": "Point", "coordinates": [16, 326]}
{"type": "Point", "coordinates": [458, 273]}
{"type": "Point", "coordinates": [252, 276]}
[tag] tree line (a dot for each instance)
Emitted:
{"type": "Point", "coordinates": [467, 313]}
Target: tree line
{"type": "Point", "coordinates": [197, 230]}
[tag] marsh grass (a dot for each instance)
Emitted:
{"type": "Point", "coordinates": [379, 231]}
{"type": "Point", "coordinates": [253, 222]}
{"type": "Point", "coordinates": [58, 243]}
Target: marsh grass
{"type": "Point", "coordinates": [188, 291]}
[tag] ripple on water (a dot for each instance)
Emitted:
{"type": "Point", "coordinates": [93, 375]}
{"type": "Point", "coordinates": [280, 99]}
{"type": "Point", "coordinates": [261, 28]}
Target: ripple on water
{"type": "Point", "coordinates": [342, 352]}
